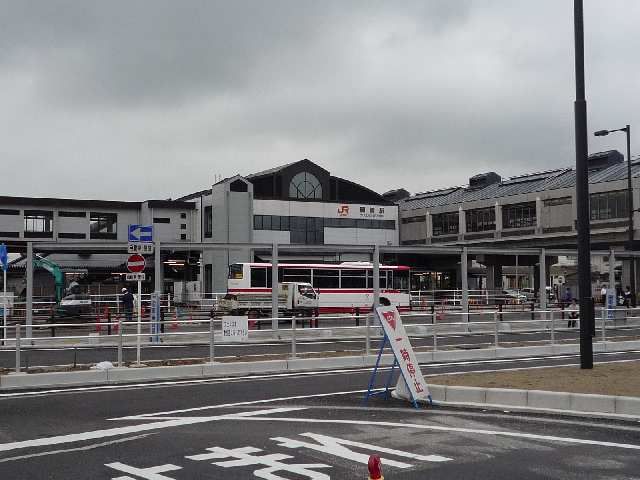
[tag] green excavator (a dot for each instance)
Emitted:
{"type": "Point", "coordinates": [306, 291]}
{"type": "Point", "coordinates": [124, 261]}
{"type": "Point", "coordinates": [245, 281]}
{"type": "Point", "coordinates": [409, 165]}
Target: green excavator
{"type": "Point", "coordinates": [54, 269]}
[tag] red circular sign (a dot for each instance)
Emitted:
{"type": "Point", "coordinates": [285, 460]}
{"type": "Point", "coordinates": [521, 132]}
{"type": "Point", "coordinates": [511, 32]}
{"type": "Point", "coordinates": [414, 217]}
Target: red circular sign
{"type": "Point", "coordinates": [135, 263]}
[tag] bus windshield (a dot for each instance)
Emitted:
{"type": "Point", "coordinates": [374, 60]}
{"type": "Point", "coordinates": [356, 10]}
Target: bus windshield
{"type": "Point", "coordinates": [235, 271]}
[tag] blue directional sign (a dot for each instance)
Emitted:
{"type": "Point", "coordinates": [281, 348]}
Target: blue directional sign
{"type": "Point", "coordinates": [4, 257]}
{"type": "Point", "coordinates": [140, 233]}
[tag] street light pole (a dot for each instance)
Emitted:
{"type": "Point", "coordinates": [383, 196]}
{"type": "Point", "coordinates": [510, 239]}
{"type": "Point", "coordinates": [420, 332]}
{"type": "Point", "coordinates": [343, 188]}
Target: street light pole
{"type": "Point", "coordinates": [632, 261]}
{"type": "Point", "coordinates": [582, 195]}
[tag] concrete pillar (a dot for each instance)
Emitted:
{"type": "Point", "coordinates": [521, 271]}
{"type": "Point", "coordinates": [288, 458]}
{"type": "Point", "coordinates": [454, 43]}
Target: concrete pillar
{"type": "Point", "coordinates": [464, 273]}
{"type": "Point", "coordinates": [462, 223]}
{"type": "Point", "coordinates": [428, 227]}
{"type": "Point", "coordinates": [29, 313]}
{"type": "Point", "coordinates": [626, 274]}
{"type": "Point", "coordinates": [538, 215]}
{"type": "Point", "coordinates": [543, 280]}
{"type": "Point", "coordinates": [498, 209]}
{"type": "Point", "coordinates": [376, 276]}
{"type": "Point", "coordinates": [494, 274]}
{"type": "Point", "coordinates": [612, 270]}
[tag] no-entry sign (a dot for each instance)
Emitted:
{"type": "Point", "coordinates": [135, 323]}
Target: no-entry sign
{"type": "Point", "coordinates": [135, 263]}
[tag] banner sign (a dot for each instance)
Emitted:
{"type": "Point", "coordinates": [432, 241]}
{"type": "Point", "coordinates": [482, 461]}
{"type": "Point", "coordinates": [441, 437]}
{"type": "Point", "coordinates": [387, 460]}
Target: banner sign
{"type": "Point", "coordinates": [405, 356]}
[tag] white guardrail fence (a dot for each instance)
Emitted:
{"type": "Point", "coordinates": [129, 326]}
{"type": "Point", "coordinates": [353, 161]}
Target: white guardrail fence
{"type": "Point", "coordinates": [109, 327]}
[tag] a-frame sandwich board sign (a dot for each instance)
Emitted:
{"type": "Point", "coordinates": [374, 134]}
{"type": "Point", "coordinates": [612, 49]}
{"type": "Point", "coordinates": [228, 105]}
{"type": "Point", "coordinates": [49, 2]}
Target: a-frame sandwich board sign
{"type": "Point", "coordinates": [411, 384]}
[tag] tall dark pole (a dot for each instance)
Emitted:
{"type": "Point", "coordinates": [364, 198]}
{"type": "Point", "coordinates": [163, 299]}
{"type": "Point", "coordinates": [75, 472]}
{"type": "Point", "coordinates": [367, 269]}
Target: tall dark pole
{"type": "Point", "coordinates": [582, 196]}
{"type": "Point", "coordinates": [632, 262]}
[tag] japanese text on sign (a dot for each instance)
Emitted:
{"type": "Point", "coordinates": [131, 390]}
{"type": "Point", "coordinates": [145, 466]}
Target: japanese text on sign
{"type": "Point", "coordinates": [403, 351]}
{"type": "Point", "coordinates": [235, 328]}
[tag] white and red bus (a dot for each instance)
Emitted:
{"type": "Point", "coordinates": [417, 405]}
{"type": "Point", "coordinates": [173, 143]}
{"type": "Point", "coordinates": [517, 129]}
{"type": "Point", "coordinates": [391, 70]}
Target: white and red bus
{"type": "Point", "coordinates": [342, 287]}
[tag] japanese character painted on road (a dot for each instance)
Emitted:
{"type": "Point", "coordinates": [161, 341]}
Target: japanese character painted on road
{"type": "Point", "coordinates": [244, 456]}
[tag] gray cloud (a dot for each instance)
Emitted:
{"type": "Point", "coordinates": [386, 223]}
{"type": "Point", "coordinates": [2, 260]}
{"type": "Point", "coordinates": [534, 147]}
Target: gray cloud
{"type": "Point", "coordinates": [150, 99]}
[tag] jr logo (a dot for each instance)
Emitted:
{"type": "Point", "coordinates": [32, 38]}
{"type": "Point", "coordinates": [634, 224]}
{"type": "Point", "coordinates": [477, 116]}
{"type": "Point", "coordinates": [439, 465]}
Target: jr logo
{"type": "Point", "coordinates": [343, 210]}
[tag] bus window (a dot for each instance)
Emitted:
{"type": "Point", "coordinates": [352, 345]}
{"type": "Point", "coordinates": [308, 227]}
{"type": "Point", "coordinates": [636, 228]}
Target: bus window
{"type": "Point", "coordinates": [258, 277]}
{"type": "Point", "coordinates": [401, 280]}
{"type": "Point", "coordinates": [353, 279]}
{"type": "Point", "coordinates": [235, 271]}
{"type": "Point", "coordinates": [326, 278]}
{"type": "Point", "coordinates": [302, 275]}
{"type": "Point", "coordinates": [383, 279]}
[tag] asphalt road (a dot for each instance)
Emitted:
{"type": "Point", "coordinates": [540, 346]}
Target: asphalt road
{"type": "Point", "coordinates": [33, 357]}
{"type": "Point", "coordinates": [296, 426]}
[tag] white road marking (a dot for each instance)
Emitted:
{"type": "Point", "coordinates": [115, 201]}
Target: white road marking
{"type": "Point", "coordinates": [530, 436]}
{"type": "Point", "coordinates": [78, 449]}
{"type": "Point", "coordinates": [161, 415]}
{"type": "Point", "coordinates": [113, 432]}
{"type": "Point", "coordinates": [338, 448]}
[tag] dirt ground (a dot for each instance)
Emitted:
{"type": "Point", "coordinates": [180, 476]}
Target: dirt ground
{"type": "Point", "coordinates": [622, 378]}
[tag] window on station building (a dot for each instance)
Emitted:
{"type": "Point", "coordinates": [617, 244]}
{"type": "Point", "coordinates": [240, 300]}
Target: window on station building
{"type": "Point", "coordinates": [481, 219]}
{"type": "Point", "coordinates": [208, 222]}
{"type": "Point", "coordinates": [305, 185]}
{"type": "Point", "coordinates": [519, 215]}
{"type": "Point", "coordinates": [104, 225]}
{"type": "Point", "coordinates": [415, 219]}
{"type": "Point", "coordinates": [446, 224]}
{"type": "Point", "coordinates": [608, 205]}
{"type": "Point", "coordinates": [38, 222]}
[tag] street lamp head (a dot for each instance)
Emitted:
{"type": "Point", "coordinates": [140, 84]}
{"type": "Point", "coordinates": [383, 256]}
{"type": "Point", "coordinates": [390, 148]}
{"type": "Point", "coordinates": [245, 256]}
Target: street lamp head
{"type": "Point", "coordinates": [601, 133]}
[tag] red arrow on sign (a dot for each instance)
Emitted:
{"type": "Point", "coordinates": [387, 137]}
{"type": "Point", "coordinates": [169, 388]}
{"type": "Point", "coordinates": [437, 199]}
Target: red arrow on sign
{"type": "Point", "coordinates": [135, 263]}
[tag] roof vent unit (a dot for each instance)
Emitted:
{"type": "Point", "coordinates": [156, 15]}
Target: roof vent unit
{"type": "Point", "coordinates": [601, 160]}
{"type": "Point", "coordinates": [484, 180]}
{"type": "Point", "coordinates": [396, 195]}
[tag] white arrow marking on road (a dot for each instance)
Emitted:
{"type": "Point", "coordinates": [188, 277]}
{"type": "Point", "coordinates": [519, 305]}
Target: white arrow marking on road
{"type": "Point", "coordinates": [113, 432]}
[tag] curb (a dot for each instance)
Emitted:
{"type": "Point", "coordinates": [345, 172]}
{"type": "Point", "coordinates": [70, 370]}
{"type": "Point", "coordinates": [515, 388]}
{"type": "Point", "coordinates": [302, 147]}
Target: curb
{"type": "Point", "coordinates": [601, 406]}
{"type": "Point", "coordinates": [25, 381]}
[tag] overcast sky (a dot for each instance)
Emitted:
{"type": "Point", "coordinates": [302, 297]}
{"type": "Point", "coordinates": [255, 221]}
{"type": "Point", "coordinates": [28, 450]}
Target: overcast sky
{"type": "Point", "coordinates": [133, 100]}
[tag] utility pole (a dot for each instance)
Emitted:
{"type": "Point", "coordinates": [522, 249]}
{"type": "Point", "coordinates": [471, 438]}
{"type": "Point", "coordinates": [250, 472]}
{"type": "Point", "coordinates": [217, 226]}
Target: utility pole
{"type": "Point", "coordinates": [582, 196]}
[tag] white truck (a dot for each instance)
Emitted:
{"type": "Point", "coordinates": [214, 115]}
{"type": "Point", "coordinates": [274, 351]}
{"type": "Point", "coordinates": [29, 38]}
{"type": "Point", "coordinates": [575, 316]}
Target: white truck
{"type": "Point", "coordinates": [293, 298]}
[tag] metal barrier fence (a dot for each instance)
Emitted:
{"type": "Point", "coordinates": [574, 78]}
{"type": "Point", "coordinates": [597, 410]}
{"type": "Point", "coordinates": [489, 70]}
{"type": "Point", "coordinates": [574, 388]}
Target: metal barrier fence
{"type": "Point", "coordinates": [196, 331]}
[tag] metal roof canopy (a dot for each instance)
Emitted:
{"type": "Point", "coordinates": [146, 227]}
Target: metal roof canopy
{"type": "Point", "coordinates": [120, 247]}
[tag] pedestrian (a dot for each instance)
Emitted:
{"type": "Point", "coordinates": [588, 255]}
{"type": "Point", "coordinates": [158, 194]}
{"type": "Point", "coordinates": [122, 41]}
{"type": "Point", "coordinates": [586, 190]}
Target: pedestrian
{"type": "Point", "coordinates": [127, 303]}
{"type": "Point", "coordinates": [568, 296]}
{"type": "Point", "coordinates": [627, 297]}
{"type": "Point", "coordinates": [574, 314]}
{"type": "Point", "coordinates": [603, 294]}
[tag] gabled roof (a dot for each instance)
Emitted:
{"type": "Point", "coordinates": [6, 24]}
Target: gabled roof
{"type": "Point", "coordinates": [517, 185]}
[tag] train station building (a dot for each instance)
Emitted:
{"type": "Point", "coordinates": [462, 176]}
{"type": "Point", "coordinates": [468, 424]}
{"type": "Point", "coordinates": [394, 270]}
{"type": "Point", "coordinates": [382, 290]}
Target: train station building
{"type": "Point", "coordinates": [297, 203]}
{"type": "Point", "coordinates": [536, 210]}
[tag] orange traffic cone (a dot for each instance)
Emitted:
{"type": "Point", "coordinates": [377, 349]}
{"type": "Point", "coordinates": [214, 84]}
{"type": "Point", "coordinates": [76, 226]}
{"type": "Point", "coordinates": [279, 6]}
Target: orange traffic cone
{"type": "Point", "coordinates": [375, 468]}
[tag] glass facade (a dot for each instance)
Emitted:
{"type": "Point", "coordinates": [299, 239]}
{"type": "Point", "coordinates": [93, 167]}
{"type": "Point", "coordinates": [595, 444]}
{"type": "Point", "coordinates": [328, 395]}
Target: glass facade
{"type": "Point", "coordinates": [310, 230]}
{"type": "Point", "coordinates": [38, 221]}
{"type": "Point", "coordinates": [608, 205]}
{"type": "Point", "coordinates": [306, 186]}
{"type": "Point", "coordinates": [519, 215]}
{"type": "Point", "coordinates": [446, 224]}
{"type": "Point", "coordinates": [481, 219]}
{"type": "Point", "coordinates": [104, 225]}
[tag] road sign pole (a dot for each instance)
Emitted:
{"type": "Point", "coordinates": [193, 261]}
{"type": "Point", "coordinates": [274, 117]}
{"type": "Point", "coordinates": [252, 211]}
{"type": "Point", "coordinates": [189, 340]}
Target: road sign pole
{"type": "Point", "coordinates": [139, 323]}
{"type": "Point", "coordinates": [4, 307]}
